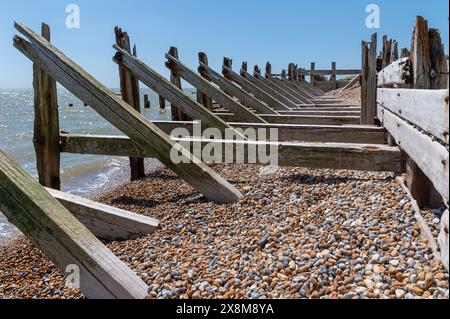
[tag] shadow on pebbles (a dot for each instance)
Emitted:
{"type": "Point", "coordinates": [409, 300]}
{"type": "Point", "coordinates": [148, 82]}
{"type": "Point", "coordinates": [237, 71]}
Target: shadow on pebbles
{"type": "Point", "coordinates": [296, 233]}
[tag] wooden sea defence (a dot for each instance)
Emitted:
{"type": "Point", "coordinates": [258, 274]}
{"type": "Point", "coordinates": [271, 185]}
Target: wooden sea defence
{"type": "Point", "coordinates": [412, 104]}
{"type": "Point", "coordinates": [313, 130]}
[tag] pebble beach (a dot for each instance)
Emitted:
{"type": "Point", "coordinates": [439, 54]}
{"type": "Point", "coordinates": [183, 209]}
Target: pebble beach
{"type": "Point", "coordinates": [296, 233]}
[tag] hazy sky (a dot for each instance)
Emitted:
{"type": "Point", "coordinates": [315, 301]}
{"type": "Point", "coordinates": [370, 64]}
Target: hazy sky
{"type": "Point", "coordinates": [280, 31]}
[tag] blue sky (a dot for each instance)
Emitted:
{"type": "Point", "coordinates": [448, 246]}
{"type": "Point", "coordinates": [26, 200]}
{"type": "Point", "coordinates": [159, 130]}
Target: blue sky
{"type": "Point", "coordinates": [280, 31]}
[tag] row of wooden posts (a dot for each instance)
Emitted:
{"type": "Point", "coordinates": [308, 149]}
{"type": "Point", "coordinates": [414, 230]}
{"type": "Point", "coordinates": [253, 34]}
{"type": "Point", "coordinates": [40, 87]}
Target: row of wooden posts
{"type": "Point", "coordinates": [412, 104]}
{"type": "Point", "coordinates": [314, 131]}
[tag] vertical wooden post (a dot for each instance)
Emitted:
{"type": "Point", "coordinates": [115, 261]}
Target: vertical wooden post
{"type": "Point", "coordinates": [244, 66]}
{"type": "Point", "coordinates": [386, 52]}
{"type": "Point", "coordinates": [229, 64]}
{"type": "Point", "coordinates": [369, 82]}
{"type": "Point", "coordinates": [203, 98]}
{"type": "Point", "coordinates": [268, 70]}
{"type": "Point", "coordinates": [46, 125]}
{"type": "Point", "coordinates": [333, 76]}
{"type": "Point", "coordinates": [422, 55]}
{"type": "Point", "coordinates": [439, 66]}
{"type": "Point", "coordinates": [256, 70]}
{"type": "Point", "coordinates": [175, 79]}
{"type": "Point", "coordinates": [162, 103]}
{"type": "Point", "coordinates": [313, 68]}
{"type": "Point", "coordinates": [146, 101]}
{"type": "Point", "coordinates": [394, 51]}
{"type": "Point", "coordinates": [129, 88]}
{"type": "Point", "coordinates": [291, 71]}
{"type": "Point", "coordinates": [405, 53]}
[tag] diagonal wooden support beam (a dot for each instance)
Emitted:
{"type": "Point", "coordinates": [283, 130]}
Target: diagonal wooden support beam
{"type": "Point", "coordinates": [211, 91]}
{"type": "Point", "coordinates": [256, 82]}
{"type": "Point", "coordinates": [122, 116]}
{"type": "Point", "coordinates": [63, 239]}
{"type": "Point", "coordinates": [293, 97]}
{"type": "Point", "coordinates": [236, 91]}
{"type": "Point", "coordinates": [106, 222]}
{"type": "Point", "coordinates": [256, 91]}
{"type": "Point", "coordinates": [168, 91]}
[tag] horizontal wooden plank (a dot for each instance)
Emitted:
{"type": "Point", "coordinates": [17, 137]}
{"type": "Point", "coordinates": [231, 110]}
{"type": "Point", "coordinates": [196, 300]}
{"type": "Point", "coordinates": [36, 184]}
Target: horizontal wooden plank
{"type": "Point", "coordinates": [396, 74]}
{"type": "Point", "coordinates": [320, 112]}
{"type": "Point", "coordinates": [365, 157]}
{"type": "Point", "coordinates": [428, 109]}
{"type": "Point", "coordinates": [430, 156]}
{"type": "Point", "coordinates": [298, 119]}
{"type": "Point", "coordinates": [62, 238]}
{"type": "Point", "coordinates": [328, 72]}
{"type": "Point", "coordinates": [106, 222]}
{"type": "Point", "coordinates": [359, 134]}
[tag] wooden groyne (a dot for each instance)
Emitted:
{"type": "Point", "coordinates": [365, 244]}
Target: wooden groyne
{"type": "Point", "coordinates": [314, 130]}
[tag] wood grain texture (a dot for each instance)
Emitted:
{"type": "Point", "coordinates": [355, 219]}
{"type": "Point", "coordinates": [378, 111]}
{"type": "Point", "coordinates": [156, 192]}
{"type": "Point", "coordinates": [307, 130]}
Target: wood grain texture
{"type": "Point", "coordinates": [428, 109]}
{"type": "Point", "coordinates": [430, 156]}
{"type": "Point", "coordinates": [106, 222]}
{"type": "Point", "coordinates": [129, 89]}
{"type": "Point", "coordinates": [62, 238]}
{"type": "Point", "coordinates": [398, 74]}
{"type": "Point", "coordinates": [46, 124]}
{"type": "Point", "coordinates": [369, 81]}
{"type": "Point", "coordinates": [366, 157]}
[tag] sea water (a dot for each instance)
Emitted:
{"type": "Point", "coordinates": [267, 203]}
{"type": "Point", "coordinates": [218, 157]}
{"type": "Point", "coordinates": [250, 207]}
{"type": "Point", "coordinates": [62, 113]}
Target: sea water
{"type": "Point", "coordinates": [82, 175]}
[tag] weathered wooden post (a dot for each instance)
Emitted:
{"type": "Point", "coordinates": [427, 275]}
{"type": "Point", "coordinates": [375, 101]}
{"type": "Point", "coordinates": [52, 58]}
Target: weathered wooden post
{"type": "Point", "coordinates": [229, 64]}
{"type": "Point", "coordinates": [394, 51]}
{"type": "Point", "coordinates": [333, 76]}
{"type": "Point", "coordinates": [268, 70]}
{"type": "Point", "coordinates": [420, 186]}
{"type": "Point", "coordinates": [244, 66]}
{"type": "Point", "coordinates": [46, 125]}
{"type": "Point", "coordinates": [257, 70]}
{"type": "Point", "coordinates": [146, 101]}
{"type": "Point", "coordinates": [405, 53]}
{"type": "Point", "coordinates": [420, 55]}
{"type": "Point", "coordinates": [175, 79]}
{"type": "Point", "coordinates": [162, 103]}
{"type": "Point", "coordinates": [313, 68]}
{"type": "Point", "coordinates": [129, 88]}
{"type": "Point", "coordinates": [439, 66]}
{"type": "Point", "coordinates": [203, 98]}
{"type": "Point", "coordinates": [386, 51]}
{"type": "Point", "coordinates": [369, 82]}
{"type": "Point", "coordinates": [291, 70]}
